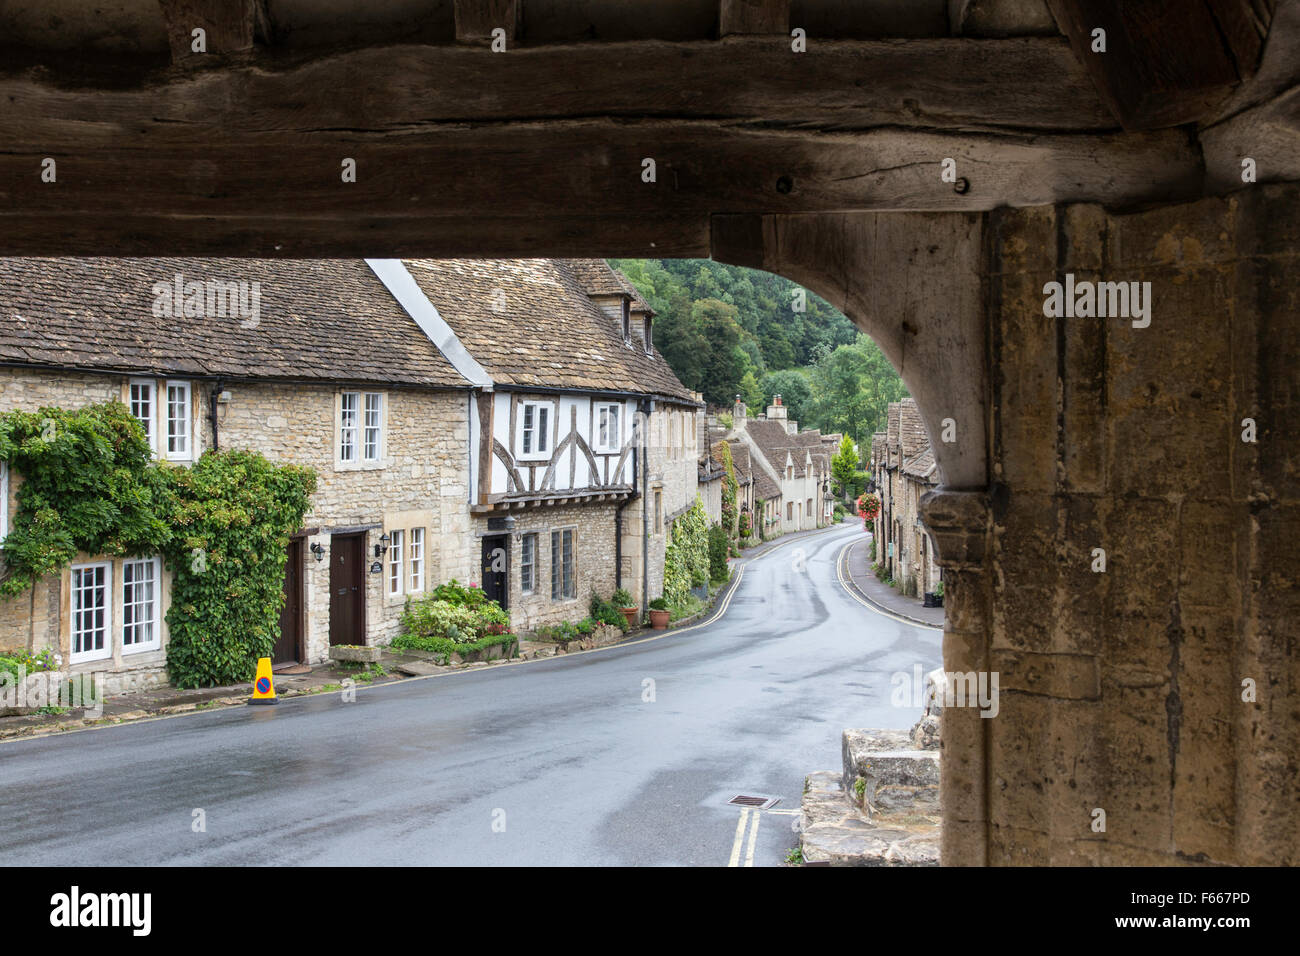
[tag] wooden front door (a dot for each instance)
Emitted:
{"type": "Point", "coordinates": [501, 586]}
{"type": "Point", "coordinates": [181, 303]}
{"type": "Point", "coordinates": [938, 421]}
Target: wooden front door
{"type": "Point", "coordinates": [347, 589]}
{"type": "Point", "coordinates": [495, 565]}
{"type": "Point", "coordinates": [287, 648]}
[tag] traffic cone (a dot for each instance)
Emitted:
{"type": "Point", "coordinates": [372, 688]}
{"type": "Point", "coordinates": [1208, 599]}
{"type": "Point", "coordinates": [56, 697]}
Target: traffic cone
{"type": "Point", "coordinates": [263, 684]}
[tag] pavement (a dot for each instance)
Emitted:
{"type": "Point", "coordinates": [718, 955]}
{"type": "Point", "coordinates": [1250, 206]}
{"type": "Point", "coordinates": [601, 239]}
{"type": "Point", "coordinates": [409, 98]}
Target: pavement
{"type": "Point", "coordinates": [626, 754]}
{"type": "Point", "coordinates": [857, 568]}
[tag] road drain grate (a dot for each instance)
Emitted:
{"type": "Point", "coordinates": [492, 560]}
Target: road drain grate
{"type": "Point", "coordinates": [747, 800]}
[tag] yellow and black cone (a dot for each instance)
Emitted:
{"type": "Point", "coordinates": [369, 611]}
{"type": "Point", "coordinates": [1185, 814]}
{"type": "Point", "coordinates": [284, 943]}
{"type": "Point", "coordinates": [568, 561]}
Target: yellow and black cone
{"type": "Point", "coordinates": [263, 683]}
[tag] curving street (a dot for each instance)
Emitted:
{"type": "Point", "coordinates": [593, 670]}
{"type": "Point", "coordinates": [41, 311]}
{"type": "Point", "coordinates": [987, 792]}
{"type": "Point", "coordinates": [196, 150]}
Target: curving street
{"type": "Point", "coordinates": [563, 761]}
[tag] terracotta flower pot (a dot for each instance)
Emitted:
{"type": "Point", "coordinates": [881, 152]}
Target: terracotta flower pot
{"type": "Point", "coordinates": [659, 619]}
{"type": "Point", "coordinates": [630, 613]}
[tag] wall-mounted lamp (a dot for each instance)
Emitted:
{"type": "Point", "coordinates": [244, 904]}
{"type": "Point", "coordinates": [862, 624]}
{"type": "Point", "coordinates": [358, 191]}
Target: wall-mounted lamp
{"type": "Point", "coordinates": [224, 396]}
{"type": "Point", "coordinates": [382, 546]}
{"type": "Point", "coordinates": [318, 551]}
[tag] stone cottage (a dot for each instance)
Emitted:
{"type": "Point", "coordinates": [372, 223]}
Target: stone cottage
{"type": "Point", "coordinates": [583, 442]}
{"type": "Point", "coordinates": [904, 469]}
{"type": "Point", "coordinates": [515, 434]}
{"type": "Point", "coordinates": [320, 366]}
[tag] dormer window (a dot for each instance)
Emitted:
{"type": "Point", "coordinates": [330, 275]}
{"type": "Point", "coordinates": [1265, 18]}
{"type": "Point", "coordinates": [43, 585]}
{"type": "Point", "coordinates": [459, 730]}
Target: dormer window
{"type": "Point", "coordinates": [627, 322]}
{"type": "Point", "coordinates": [645, 325]}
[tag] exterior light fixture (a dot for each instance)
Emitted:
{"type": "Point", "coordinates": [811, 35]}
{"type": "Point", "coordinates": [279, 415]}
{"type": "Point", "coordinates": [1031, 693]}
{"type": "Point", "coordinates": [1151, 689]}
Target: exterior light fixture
{"type": "Point", "coordinates": [381, 547]}
{"type": "Point", "coordinates": [318, 551]}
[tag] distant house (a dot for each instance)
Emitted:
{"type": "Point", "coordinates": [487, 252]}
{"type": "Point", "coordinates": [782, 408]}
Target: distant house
{"type": "Point", "coordinates": [797, 462]}
{"type": "Point", "coordinates": [503, 422]}
{"type": "Point", "coordinates": [904, 469]}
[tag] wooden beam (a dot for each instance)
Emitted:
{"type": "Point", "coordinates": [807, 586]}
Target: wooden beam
{"type": "Point", "coordinates": [476, 19]}
{"type": "Point", "coordinates": [229, 26]}
{"type": "Point", "coordinates": [1023, 84]}
{"type": "Point", "coordinates": [753, 16]}
{"type": "Point", "coordinates": [1165, 63]}
{"type": "Point", "coordinates": [571, 190]}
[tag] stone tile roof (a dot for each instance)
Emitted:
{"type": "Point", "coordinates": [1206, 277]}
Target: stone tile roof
{"type": "Point", "coordinates": [322, 319]}
{"type": "Point", "coordinates": [599, 278]}
{"type": "Point", "coordinates": [911, 428]}
{"type": "Point", "coordinates": [543, 330]}
{"type": "Point", "coordinates": [922, 466]}
{"type": "Point", "coordinates": [775, 443]}
{"type": "Point", "coordinates": [764, 487]}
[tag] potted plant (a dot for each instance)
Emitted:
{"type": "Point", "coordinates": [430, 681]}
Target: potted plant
{"type": "Point", "coordinates": [659, 614]}
{"type": "Point", "coordinates": [625, 604]}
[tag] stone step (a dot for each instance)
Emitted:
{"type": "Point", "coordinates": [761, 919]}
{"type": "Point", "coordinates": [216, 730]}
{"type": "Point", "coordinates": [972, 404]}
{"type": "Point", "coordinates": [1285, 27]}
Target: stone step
{"type": "Point", "coordinates": [833, 832]}
{"type": "Point", "coordinates": [895, 777]}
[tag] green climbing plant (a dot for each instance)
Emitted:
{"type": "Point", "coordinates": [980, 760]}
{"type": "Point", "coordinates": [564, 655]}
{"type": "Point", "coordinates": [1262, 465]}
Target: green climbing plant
{"type": "Point", "coordinates": [89, 484]}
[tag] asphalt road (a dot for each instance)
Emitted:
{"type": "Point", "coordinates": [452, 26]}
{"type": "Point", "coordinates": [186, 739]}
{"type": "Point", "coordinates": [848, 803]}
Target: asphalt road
{"type": "Point", "coordinates": [556, 762]}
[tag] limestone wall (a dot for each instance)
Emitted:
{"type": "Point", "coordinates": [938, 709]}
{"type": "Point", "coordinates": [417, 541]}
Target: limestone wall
{"type": "Point", "coordinates": [1122, 690]}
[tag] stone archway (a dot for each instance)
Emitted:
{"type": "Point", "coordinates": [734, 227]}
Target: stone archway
{"type": "Point", "coordinates": [1123, 687]}
{"type": "Point", "coordinates": [1098, 473]}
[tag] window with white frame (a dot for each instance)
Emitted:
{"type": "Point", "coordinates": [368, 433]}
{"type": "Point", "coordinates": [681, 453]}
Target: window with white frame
{"type": "Point", "coordinates": [528, 563]}
{"type": "Point", "coordinates": [178, 416]}
{"type": "Point", "coordinates": [535, 420]}
{"type": "Point", "coordinates": [395, 562]}
{"type": "Point", "coordinates": [609, 436]}
{"type": "Point", "coordinates": [348, 411]}
{"type": "Point", "coordinates": [141, 579]}
{"type": "Point", "coordinates": [373, 426]}
{"type": "Point", "coordinates": [417, 560]}
{"type": "Point", "coordinates": [361, 427]}
{"type": "Point", "coordinates": [92, 611]}
{"type": "Point", "coordinates": [143, 406]}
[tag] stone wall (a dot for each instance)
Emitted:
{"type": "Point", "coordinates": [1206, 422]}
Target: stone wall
{"type": "Point", "coordinates": [420, 482]}
{"type": "Point", "coordinates": [593, 561]}
{"type": "Point", "coordinates": [1122, 689]}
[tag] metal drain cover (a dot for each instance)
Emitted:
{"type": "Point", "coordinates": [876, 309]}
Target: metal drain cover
{"type": "Point", "coordinates": [749, 800]}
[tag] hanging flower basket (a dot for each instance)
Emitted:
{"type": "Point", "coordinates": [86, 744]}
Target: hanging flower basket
{"type": "Point", "coordinates": [868, 507]}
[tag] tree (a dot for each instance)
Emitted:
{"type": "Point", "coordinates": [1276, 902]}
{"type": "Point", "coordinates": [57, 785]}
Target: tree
{"type": "Point", "coordinates": [844, 466]}
{"type": "Point", "coordinates": [852, 388]}
{"type": "Point", "coordinates": [750, 392]}
{"type": "Point", "coordinates": [792, 385]}
{"type": "Point", "coordinates": [716, 323]}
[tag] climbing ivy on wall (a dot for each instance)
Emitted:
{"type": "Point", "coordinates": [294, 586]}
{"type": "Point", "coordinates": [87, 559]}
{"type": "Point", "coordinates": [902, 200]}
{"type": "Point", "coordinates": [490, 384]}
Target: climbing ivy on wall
{"type": "Point", "coordinates": [234, 513]}
{"type": "Point", "coordinates": [686, 559]}
{"type": "Point", "coordinates": [89, 485]}
{"type": "Point", "coordinates": [730, 489]}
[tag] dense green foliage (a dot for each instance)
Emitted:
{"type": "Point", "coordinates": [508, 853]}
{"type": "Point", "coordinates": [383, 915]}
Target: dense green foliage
{"type": "Point", "coordinates": [29, 663]}
{"type": "Point", "coordinates": [730, 491]}
{"type": "Point", "coordinates": [719, 547]}
{"type": "Point", "coordinates": [606, 612]}
{"type": "Point", "coordinates": [727, 330]}
{"type": "Point", "coordinates": [445, 646]}
{"type": "Point", "coordinates": [451, 615]}
{"type": "Point", "coordinates": [844, 467]}
{"type": "Point", "coordinates": [89, 485]}
{"type": "Point", "coordinates": [233, 514]}
{"type": "Point", "coordinates": [686, 559]}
